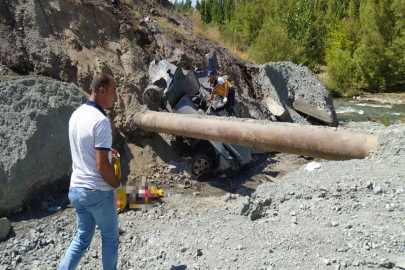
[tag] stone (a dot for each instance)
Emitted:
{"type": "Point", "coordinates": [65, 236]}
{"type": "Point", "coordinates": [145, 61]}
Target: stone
{"type": "Point", "coordinates": [276, 109]}
{"type": "Point", "coordinates": [377, 190]}
{"type": "Point", "coordinates": [5, 227]}
{"type": "Point", "coordinates": [387, 264]}
{"type": "Point", "coordinates": [324, 115]}
{"type": "Point", "coordinates": [226, 197]}
{"type": "Point", "coordinates": [244, 206]}
{"type": "Point", "coordinates": [173, 169]}
{"type": "Point", "coordinates": [54, 209]}
{"type": "Point", "coordinates": [241, 191]}
{"type": "Point", "coordinates": [400, 263]}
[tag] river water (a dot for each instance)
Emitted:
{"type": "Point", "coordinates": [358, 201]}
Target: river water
{"type": "Point", "coordinates": [348, 110]}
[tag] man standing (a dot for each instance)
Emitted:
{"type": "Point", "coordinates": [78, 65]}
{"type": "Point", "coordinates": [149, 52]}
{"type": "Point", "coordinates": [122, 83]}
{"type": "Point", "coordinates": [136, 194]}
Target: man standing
{"type": "Point", "coordinates": [93, 180]}
{"type": "Point", "coordinates": [223, 88]}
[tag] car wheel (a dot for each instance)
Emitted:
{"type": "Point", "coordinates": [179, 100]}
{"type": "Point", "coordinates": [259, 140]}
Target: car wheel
{"type": "Point", "coordinates": [200, 164]}
{"type": "Point", "coordinates": [151, 97]}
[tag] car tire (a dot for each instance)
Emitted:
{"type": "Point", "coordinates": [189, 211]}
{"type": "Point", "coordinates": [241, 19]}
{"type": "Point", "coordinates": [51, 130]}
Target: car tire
{"type": "Point", "coordinates": [152, 97]}
{"type": "Point", "coordinates": [201, 164]}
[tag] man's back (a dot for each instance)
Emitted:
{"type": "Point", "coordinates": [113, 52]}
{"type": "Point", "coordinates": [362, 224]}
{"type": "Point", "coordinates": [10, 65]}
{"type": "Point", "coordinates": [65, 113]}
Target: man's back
{"type": "Point", "coordinates": [89, 130]}
{"type": "Point", "coordinates": [93, 179]}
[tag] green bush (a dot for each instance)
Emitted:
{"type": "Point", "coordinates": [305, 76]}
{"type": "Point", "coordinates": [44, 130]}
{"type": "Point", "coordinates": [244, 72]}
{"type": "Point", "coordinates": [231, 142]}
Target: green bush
{"type": "Point", "coordinates": [342, 73]}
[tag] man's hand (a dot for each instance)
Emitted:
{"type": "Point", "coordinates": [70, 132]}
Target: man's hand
{"type": "Point", "coordinates": [105, 168]}
{"type": "Point", "coordinates": [225, 100]}
{"type": "Point", "coordinates": [115, 154]}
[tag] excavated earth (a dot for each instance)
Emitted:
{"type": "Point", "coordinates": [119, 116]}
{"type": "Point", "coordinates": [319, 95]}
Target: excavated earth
{"type": "Point", "coordinates": [288, 212]}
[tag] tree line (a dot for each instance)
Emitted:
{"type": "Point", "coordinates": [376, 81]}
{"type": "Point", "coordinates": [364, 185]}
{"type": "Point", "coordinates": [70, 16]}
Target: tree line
{"type": "Point", "coordinates": [361, 42]}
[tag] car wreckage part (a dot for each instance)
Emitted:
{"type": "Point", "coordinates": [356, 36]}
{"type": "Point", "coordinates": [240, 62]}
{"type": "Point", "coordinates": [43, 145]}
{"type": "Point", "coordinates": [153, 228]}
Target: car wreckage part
{"type": "Point", "coordinates": [152, 97]}
{"type": "Point", "coordinates": [313, 141]}
{"type": "Point", "coordinates": [200, 164]}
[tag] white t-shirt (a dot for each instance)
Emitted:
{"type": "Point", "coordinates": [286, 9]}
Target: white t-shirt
{"type": "Point", "coordinates": [89, 130]}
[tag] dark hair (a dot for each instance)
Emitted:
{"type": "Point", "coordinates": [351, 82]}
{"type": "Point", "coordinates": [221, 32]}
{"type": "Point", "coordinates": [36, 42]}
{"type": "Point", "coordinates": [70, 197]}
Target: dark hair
{"type": "Point", "coordinates": [100, 80]}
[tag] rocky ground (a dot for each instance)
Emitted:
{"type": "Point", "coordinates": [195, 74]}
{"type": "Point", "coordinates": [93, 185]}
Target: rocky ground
{"type": "Point", "coordinates": [342, 215]}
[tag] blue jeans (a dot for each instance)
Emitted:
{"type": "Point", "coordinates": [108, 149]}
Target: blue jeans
{"type": "Point", "coordinates": [93, 207]}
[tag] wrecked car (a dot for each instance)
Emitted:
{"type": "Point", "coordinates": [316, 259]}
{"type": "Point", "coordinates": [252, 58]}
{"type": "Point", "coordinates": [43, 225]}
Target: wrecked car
{"type": "Point", "coordinates": [184, 92]}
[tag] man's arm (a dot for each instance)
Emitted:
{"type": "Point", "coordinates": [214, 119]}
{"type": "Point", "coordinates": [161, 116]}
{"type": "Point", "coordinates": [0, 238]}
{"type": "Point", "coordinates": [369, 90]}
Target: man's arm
{"type": "Point", "coordinates": [105, 168]}
{"type": "Point", "coordinates": [212, 94]}
{"type": "Point", "coordinates": [226, 89]}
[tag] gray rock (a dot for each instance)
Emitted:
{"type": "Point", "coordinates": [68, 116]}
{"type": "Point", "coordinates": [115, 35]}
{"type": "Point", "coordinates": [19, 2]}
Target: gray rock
{"type": "Point", "coordinates": [242, 192]}
{"type": "Point", "coordinates": [387, 264]}
{"type": "Point", "coordinates": [400, 263]}
{"type": "Point", "coordinates": [54, 209]}
{"type": "Point", "coordinates": [377, 190]}
{"type": "Point", "coordinates": [276, 109]}
{"type": "Point", "coordinates": [226, 197]}
{"type": "Point", "coordinates": [244, 207]}
{"type": "Point", "coordinates": [173, 169]}
{"type": "Point", "coordinates": [5, 227]}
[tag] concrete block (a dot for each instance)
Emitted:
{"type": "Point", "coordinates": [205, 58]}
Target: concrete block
{"type": "Point", "coordinates": [276, 109]}
{"type": "Point", "coordinates": [325, 116]}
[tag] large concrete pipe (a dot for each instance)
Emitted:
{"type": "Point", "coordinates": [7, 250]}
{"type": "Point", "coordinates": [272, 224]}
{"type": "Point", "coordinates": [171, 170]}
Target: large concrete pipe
{"type": "Point", "coordinates": [312, 141]}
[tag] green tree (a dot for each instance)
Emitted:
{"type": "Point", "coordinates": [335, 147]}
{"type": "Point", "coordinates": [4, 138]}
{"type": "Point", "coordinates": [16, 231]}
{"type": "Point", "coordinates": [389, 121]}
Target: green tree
{"type": "Point", "coordinates": [217, 12]}
{"type": "Point", "coordinates": [307, 27]}
{"type": "Point", "coordinates": [398, 43]}
{"type": "Point", "coordinates": [273, 44]}
{"type": "Point", "coordinates": [246, 23]}
{"type": "Point", "coordinates": [374, 56]}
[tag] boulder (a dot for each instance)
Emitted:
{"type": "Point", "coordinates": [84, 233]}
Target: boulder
{"type": "Point", "coordinates": [34, 140]}
{"type": "Point", "coordinates": [5, 227]}
{"type": "Point", "coordinates": [293, 92]}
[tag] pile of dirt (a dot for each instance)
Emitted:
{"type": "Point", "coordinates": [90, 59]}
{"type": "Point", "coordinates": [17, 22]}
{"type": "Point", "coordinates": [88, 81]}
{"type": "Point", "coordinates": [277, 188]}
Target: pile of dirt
{"type": "Point", "coordinates": [34, 112]}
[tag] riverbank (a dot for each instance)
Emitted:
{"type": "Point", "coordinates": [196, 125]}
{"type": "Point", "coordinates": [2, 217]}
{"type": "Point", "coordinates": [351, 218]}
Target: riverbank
{"type": "Point", "coordinates": [383, 98]}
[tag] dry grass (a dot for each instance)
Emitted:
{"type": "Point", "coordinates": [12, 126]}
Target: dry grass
{"type": "Point", "coordinates": [213, 34]}
{"type": "Point", "coordinates": [171, 30]}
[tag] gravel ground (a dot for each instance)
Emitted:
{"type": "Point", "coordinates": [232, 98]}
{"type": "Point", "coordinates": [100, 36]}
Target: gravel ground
{"type": "Point", "coordinates": [342, 215]}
